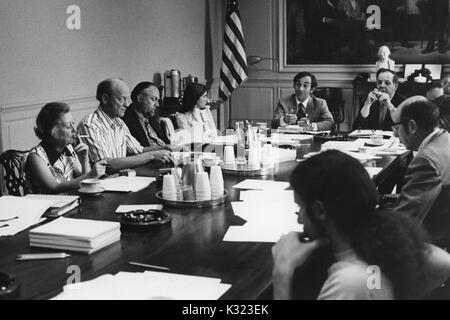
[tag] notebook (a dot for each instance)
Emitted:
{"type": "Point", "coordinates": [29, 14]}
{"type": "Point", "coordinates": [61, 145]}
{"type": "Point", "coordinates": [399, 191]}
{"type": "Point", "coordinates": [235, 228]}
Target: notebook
{"type": "Point", "coordinates": [62, 203]}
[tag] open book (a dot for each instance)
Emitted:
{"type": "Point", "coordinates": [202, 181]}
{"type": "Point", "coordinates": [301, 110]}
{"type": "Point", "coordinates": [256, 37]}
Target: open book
{"type": "Point", "coordinates": [61, 205]}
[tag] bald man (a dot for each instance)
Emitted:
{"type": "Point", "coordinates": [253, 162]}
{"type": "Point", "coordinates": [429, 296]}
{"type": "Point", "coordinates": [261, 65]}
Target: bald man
{"type": "Point", "coordinates": [107, 135]}
{"type": "Point", "coordinates": [426, 191]}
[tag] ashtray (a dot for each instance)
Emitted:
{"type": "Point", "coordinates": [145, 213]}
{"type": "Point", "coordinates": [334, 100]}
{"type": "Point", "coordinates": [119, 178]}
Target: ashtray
{"type": "Point", "coordinates": [144, 218]}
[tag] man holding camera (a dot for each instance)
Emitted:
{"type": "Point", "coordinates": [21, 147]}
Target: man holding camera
{"type": "Point", "coordinates": [381, 103]}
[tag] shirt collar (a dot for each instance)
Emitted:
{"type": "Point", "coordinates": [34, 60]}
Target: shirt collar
{"type": "Point", "coordinates": [305, 102]}
{"type": "Point", "coordinates": [428, 139]}
{"type": "Point", "coordinates": [52, 154]}
{"type": "Point", "coordinates": [112, 122]}
{"type": "Point", "coordinates": [139, 114]}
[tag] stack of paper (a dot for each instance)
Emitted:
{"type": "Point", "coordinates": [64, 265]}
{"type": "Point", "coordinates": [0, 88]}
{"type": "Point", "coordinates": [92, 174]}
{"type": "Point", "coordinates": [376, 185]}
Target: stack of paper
{"type": "Point", "coordinates": [367, 133]}
{"type": "Point", "coordinates": [146, 285]}
{"type": "Point", "coordinates": [61, 205]}
{"type": "Point", "coordinates": [266, 220]}
{"type": "Point", "coordinates": [80, 235]}
{"type": "Point", "coordinates": [261, 185]}
{"type": "Point", "coordinates": [20, 213]}
{"type": "Point", "coordinates": [287, 139]}
{"type": "Point", "coordinates": [126, 184]}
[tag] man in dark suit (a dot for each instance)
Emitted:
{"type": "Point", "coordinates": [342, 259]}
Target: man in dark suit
{"type": "Point", "coordinates": [376, 114]}
{"type": "Point", "coordinates": [303, 105]}
{"type": "Point", "coordinates": [139, 114]}
{"type": "Point", "coordinates": [425, 194]}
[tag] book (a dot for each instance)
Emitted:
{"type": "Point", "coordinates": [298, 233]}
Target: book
{"type": "Point", "coordinates": [79, 235]}
{"type": "Point", "coordinates": [62, 203]}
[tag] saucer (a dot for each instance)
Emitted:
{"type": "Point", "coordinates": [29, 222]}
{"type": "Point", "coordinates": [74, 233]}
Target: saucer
{"type": "Point", "coordinates": [91, 192]}
{"type": "Point", "coordinates": [371, 144]}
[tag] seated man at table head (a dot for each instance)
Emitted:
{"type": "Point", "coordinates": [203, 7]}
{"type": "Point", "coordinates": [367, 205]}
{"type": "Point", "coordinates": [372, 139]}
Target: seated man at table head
{"type": "Point", "coordinates": [377, 111]}
{"type": "Point", "coordinates": [60, 161]}
{"type": "Point", "coordinates": [108, 137]}
{"type": "Point", "coordinates": [303, 105]}
{"type": "Point", "coordinates": [425, 195]}
{"type": "Point", "coordinates": [197, 118]}
{"type": "Point", "coordinates": [138, 115]}
{"type": "Point", "coordinates": [337, 202]}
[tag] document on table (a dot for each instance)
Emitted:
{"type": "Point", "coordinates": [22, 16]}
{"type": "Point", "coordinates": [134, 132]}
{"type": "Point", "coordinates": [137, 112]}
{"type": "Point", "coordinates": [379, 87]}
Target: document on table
{"type": "Point", "coordinates": [373, 171]}
{"type": "Point", "coordinates": [265, 222]}
{"type": "Point", "coordinates": [126, 184]}
{"type": "Point", "coordinates": [20, 213]}
{"type": "Point", "coordinates": [146, 285]}
{"type": "Point", "coordinates": [261, 185]}
{"type": "Point", "coordinates": [284, 196]}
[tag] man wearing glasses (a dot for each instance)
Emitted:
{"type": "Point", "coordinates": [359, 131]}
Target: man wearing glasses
{"type": "Point", "coordinates": [426, 191]}
{"type": "Point", "coordinates": [140, 116]}
{"type": "Point", "coordinates": [376, 114]}
{"type": "Point", "coordinates": [303, 106]}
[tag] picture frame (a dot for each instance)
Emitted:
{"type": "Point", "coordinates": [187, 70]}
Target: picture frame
{"type": "Point", "coordinates": [353, 45]}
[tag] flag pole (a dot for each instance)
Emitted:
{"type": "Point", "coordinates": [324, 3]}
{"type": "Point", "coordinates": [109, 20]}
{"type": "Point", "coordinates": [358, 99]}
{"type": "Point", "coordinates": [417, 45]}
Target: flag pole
{"type": "Point", "coordinates": [230, 125]}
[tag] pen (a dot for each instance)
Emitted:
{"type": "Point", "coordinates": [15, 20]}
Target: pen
{"type": "Point", "coordinates": [41, 256]}
{"type": "Point", "coordinates": [148, 266]}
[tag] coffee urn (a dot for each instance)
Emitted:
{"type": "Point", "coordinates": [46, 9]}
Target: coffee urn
{"type": "Point", "coordinates": [172, 84]}
{"type": "Point", "coordinates": [189, 79]}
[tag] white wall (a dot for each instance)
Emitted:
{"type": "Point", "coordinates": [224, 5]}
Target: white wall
{"type": "Point", "coordinates": [41, 60]}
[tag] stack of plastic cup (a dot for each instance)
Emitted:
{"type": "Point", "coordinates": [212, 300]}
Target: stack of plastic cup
{"type": "Point", "coordinates": [253, 158]}
{"type": "Point", "coordinates": [216, 180]}
{"type": "Point", "coordinates": [202, 186]}
{"type": "Point", "coordinates": [228, 157]}
{"type": "Point", "coordinates": [169, 189]}
{"type": "Point", "coordinates": [268, 157]}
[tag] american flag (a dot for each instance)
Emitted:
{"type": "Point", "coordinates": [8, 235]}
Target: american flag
{"type": "Point", "coordinates": [234, 61]}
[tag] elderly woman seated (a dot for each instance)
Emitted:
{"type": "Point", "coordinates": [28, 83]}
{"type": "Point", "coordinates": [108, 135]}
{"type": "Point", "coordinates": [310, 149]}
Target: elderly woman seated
{"type": "Point", "coordinates": [197, 118]}
{"type": "Point", "coordinates": [60, 161]}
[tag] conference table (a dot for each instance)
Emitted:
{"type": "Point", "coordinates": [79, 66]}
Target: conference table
{"type": "Point", "coordinates": [192, 243]}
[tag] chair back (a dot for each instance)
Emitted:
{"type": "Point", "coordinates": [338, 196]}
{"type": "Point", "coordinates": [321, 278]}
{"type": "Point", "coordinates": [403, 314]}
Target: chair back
{"type": "Point", "coordinates": [333, 97]}
{"type": "Point", "coordinates": [13, 161]}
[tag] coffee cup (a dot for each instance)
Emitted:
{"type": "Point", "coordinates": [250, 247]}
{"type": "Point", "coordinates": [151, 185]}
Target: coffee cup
{"type": "Point", "coordinates": [91, 185]}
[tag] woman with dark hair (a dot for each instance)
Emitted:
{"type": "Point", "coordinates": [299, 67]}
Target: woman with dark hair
{"type": "Point", "coordinates": [378, 255]}
{"type": "Point", "coordinates": [197, 117]}
{"type": "Point", "coordinates": [54, 166]}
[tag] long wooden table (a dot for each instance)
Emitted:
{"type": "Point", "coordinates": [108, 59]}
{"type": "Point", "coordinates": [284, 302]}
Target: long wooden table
{"type": "Point", "coordinates": [191, 244]}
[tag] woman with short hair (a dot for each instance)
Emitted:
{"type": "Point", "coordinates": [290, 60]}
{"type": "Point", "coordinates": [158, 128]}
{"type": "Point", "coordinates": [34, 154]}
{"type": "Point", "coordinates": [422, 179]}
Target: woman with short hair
{"type": "Point", "coordinates": [60, 161]}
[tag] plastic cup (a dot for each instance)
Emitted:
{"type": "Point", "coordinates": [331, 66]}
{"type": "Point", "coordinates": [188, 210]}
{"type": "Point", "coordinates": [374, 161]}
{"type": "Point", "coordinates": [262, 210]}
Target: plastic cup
{"type": "Point", "coordinates": [229, 155]}
{"type": "Point", "coordinates": [268, 156]}
{"type": "Point", "coordinates": [253, 157]}
{"type": "Point", "coordinates": [169, 190]}
{"type": "Point", "coordinates": [202, 186]}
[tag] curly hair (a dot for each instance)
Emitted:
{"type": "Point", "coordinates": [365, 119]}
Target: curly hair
{"type": "Point", "coordinates": [47, 118]}
{"type": "Point", "coordinates": [393, 242]}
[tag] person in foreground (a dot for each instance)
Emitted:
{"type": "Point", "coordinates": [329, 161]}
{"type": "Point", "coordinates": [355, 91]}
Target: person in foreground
{"type": "Point", "coordinates": [107, 135]}
{"type": "Point", "coordinates": [54, 165]}
{"type": "Point", "coordinates": [378, 255]}
{"type": "Point", "coordinates": [303, 106]}
{"type": "Point", "coordinates": [197, 117]}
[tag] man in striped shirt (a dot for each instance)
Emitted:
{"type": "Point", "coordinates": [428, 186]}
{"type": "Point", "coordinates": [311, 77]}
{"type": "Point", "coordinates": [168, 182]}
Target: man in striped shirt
{"type": "Point", "coordinates": [107, 135]}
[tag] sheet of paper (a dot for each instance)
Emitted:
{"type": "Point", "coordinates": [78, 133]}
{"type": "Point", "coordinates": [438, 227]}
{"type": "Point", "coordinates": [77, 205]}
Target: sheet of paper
{"type": "Point", "coordinates": [373, 171]}
{"type": "Point", "coordinates": [127, 208]}
{"type": "Point", "coordinates": [146, 285]}
{"type": "Point", "coordinates": [268, 196]}
{"type": "Point", "coordinates": [126, 184]}
{"type": "Point", "coordinates": [261, 185]}
{"type": "Point", "coordinates": [59, 200]}
{"type": "Point", "coordinates": [20, 213]}
{"type": "Point", "coordinates": [255, 234]}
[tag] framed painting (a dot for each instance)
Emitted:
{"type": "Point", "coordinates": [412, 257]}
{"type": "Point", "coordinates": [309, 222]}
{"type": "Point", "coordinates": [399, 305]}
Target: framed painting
{"type": "Point", "coordinates": [351, 32]}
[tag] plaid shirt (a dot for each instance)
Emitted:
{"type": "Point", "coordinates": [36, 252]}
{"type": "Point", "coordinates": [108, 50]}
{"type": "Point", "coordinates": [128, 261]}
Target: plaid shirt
{"type": "Point", "coordinates": [108, 138]}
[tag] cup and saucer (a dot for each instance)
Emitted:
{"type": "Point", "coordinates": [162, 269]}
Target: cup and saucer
{"type": "Point", "coordinates": [91, 187]}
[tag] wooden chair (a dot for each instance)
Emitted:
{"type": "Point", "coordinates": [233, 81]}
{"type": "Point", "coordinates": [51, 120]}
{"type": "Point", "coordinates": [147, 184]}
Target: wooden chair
{"type": "Point", "coordinates": [14, 163]}
{"type": "Point", "coordinates": [333, 97]}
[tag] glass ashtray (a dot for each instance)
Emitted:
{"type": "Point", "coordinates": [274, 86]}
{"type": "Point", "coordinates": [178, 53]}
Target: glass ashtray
{"type": "Point", "coordinates": [143, 218]}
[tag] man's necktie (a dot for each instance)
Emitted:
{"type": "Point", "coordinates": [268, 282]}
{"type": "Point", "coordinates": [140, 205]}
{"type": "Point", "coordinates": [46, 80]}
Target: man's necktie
{"type": "Point", "coordinates": [301, 111]}
{"type": "Point", "coordinates": [152, 134]}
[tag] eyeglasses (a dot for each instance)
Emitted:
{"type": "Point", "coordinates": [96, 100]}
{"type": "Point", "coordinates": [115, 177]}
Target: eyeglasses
{"type": "Point", "coordinates": [396, 124]}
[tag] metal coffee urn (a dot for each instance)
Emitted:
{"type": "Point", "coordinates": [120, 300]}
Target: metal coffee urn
{"type": "Point", "coordinates": [189, 79]}
{"type": "Point", "coordinates": [172, 84]}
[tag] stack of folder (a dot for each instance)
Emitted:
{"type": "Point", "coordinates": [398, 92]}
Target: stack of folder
{"type": "Point", "coordinates": [80, 235]}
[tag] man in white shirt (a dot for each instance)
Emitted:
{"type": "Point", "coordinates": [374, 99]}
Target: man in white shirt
{"type": "Point", "coordinates": [108, 136]}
